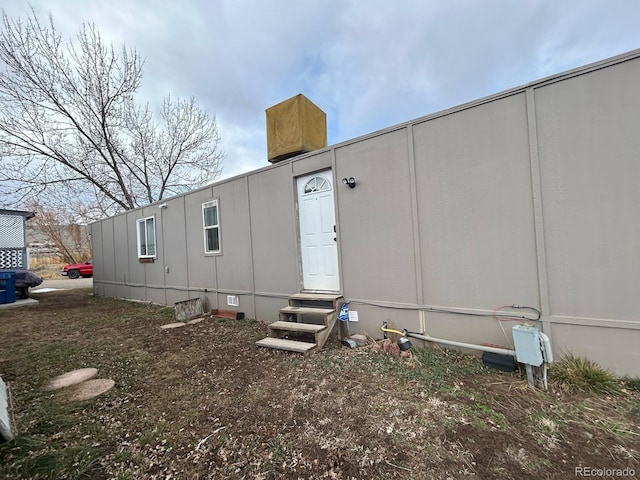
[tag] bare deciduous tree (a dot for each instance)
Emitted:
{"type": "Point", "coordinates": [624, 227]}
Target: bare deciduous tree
{"type": "Point", "coordinates": [66, 227]}
{"type": "Point", "coordinates": [69, 120]}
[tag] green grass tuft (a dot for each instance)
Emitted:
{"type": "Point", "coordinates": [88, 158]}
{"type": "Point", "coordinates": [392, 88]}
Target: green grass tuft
{"type": "Point", "coordinates": [434, 368]}
{"type": "Point", "coordinates": [632, 384]}
{"type": "Point", "coordinates": [578, 374]}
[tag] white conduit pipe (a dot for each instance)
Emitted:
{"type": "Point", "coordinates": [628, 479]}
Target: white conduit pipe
{"type": "Point", "coordinates": [472, 346]}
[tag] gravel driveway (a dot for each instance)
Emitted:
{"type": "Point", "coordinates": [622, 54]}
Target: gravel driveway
{"type": "Point", "coordinates": [63, 284]}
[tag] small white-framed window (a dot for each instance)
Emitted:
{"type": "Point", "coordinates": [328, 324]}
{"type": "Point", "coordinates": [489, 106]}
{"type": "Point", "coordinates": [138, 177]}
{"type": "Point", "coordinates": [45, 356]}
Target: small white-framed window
{"type": "Point", "coordinates": [211, 226]}
{"type": "Point", "coordinates": [147, 237]}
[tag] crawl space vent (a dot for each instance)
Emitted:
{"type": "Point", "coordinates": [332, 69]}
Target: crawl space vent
{"type": "Point", "coordinates": [232, 300]}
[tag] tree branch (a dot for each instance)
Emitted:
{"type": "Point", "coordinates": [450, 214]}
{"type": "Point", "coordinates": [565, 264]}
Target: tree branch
{"type": "Point", "coordinates": [71, 113]}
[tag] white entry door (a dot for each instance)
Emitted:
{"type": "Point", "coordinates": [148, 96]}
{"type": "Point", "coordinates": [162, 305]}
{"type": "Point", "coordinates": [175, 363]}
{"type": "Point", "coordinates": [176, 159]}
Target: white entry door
{"type": "Point", "coordinates": [317, 232]}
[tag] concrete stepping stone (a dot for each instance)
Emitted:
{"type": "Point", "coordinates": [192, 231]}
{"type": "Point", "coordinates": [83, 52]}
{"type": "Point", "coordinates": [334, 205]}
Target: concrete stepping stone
{"type": "Point", "coordinates": [172, 325]}
{"type": "Point", "coordinates": [89, 389]}
{"type": "Point", "coordinates": [72, 378]}
{"type": "Point", "coordinates": [5, 420]}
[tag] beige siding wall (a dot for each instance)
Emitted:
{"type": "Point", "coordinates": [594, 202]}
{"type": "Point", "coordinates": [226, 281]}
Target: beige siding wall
{"type": "Point", "coordinates": [273, 231]}
{"type": "Point", "coordinates": [376, 232]}
{"type": "Point", "coordinates": [528, 197]}
{"type": "Point", "coordinates": [108, 254]}
{"type": "Point", "coordinates": [590, 168]}
{"type": "Point", "coordinates": [122, 259]}
{"type": "Point", "coordinates": [99, 268]}
{"type": "Point", "coordinates": [234, 266]}
{"type": "Point", "coordinates": [201, 267]}
{"type": "Point", "coordinates": [475, 207]}
{"type": "Point", "coordinates": [173, 252]}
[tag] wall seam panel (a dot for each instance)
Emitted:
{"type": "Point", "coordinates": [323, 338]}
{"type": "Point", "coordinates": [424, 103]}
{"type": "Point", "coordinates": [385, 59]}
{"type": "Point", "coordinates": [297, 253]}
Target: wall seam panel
{"type": "Point", "coordinates": [293, 196]}
{"type": "Point", "coordinates": [336, 205]}
{"type": "Point", "coordinates": [417, 256]}
{"type": "Point", "coordinates": [253, 272]}
{"type": "Point", "coordinates": [538, 218]}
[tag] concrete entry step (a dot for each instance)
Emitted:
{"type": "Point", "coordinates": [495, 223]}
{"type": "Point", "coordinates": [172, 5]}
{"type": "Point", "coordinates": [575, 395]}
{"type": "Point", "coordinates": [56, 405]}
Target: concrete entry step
{"type": "Point", "coordinates": [282, 344]}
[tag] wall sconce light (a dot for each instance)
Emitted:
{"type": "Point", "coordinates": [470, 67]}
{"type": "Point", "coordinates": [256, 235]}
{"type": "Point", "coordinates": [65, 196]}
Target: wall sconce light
{"type": "Point", "coordinates": [162, 205]}
{"type": "Point", "coordinates": [351, 182]}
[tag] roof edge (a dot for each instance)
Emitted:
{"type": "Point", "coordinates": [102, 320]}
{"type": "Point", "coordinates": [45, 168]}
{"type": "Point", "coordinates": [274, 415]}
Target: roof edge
{"type": "Point", "coordinates": [18, 213]}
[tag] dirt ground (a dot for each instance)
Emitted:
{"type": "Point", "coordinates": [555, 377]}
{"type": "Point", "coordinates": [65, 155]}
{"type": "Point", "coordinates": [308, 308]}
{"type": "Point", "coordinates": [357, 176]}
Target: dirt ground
{"type": "Point", "coordinates": [202, 401]}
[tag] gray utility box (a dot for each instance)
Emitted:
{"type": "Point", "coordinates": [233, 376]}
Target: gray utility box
{"type": "Point", "coordinates": [527, 342]}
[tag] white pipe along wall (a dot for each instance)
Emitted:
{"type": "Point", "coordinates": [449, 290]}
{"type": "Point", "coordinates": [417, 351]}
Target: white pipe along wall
{"type": "Point", "coordinates": [483, 348]}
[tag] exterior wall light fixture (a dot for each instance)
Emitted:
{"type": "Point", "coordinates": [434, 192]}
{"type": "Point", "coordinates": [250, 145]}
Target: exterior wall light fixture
{"type": "Point", "coordinates": [351, 182]}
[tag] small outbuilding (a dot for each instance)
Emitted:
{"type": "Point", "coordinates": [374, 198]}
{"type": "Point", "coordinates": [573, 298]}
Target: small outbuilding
{"type": "Point", "coordinates": [528, 197]}
{"type": "Point", "coordinates": [13, 239]}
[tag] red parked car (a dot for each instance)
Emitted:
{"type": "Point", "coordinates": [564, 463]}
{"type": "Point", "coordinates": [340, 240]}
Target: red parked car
{"type": "Point", "coordinates": [77, 270]}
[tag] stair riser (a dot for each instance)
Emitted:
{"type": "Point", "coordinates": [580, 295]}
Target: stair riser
{"type": "Point", "coordinates": [313, 304]}
{"type": "Point", "coordinates": [311, 337]}
{"type": "Point", "coordinates": [298, 318]}
{"type": "Point", "coordinates": [321, 301]}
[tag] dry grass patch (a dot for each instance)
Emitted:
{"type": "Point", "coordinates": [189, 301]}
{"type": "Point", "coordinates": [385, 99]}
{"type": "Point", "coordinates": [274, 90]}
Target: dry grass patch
{"type": "Point", "coordinates": [204, 402]}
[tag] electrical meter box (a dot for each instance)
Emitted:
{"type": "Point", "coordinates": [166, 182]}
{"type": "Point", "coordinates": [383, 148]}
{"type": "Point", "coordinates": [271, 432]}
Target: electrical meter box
{"type": "Point", "coordinates": [527, 342]}
{"type": "Point", "coordinates": [295, 126]}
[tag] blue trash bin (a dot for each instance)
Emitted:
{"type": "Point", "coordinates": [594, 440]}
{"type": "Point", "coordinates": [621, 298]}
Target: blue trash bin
{"type": "Point", "coordinates": [7, 287]}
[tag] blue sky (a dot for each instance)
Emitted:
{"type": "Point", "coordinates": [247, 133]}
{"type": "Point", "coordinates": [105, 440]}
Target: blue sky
{"type": "Point", "coordinates": [368, 64]}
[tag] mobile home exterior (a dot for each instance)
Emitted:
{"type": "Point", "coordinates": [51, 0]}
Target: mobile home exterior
{"type": "Point", "coordinates": [527, 197]}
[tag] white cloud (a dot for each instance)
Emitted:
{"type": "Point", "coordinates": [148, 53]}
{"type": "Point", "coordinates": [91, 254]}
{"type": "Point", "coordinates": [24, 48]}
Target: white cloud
{"type": "Point", "coordinates": [369, 64]}
{"type": "Point", "coordinates": [245, 149]}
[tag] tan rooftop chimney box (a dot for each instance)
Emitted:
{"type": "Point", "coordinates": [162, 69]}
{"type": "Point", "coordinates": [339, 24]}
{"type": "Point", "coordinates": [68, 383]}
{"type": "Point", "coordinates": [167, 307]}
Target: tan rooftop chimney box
{"type": "Point", "coordinates": [295, 126]}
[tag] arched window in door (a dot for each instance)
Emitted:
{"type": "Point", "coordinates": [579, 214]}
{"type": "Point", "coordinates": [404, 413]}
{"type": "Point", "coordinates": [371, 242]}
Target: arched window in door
{"type": "Point", "coordinates": [317, 184]}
